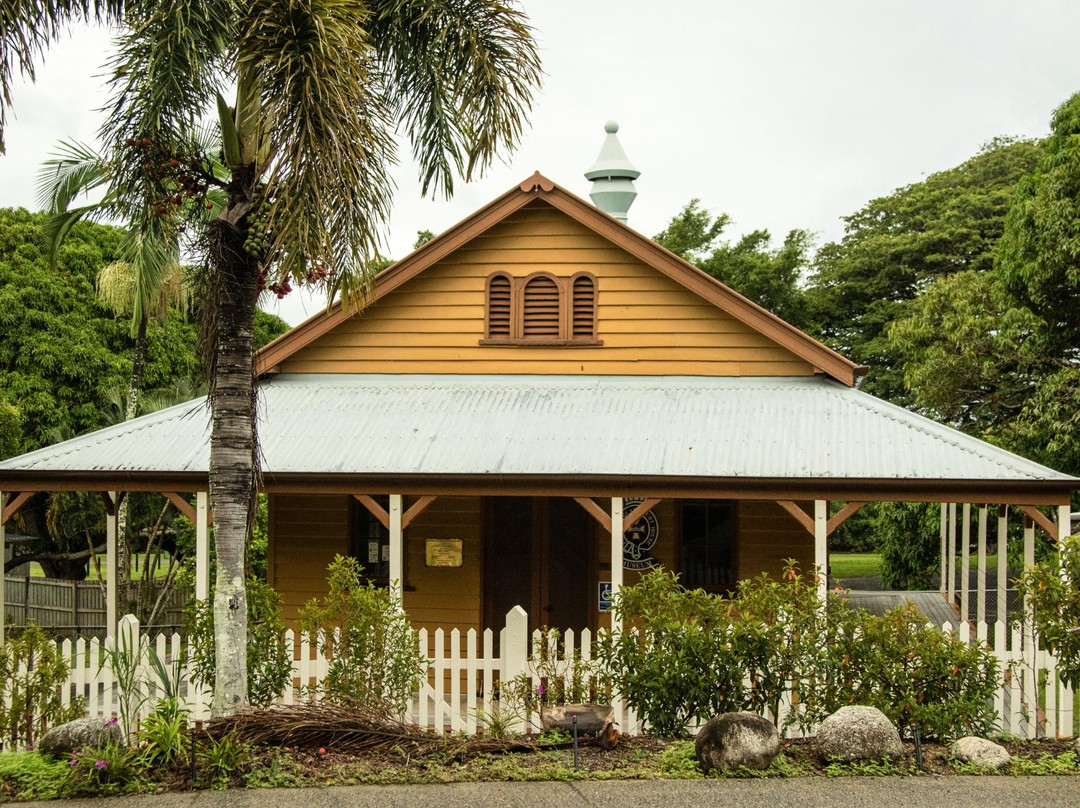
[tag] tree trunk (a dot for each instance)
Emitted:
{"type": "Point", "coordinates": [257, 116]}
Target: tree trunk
{"type": "Point", "coordinates": [232, 459]}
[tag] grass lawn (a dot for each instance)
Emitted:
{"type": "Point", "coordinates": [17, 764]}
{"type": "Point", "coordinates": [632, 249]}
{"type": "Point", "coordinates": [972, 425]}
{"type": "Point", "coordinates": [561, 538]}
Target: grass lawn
{"type": "Point", "coordinates": [138, 559]}
{"type": "Point", "coordinates": [857, 565]}
{"type": "Point", "coordinates": [854, 565]}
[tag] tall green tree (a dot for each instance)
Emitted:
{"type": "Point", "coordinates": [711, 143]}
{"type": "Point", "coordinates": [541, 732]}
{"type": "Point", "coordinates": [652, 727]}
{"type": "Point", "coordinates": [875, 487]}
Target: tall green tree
{"type": "Point", "coordinates": [146, 280]}
{"type": "Point", "coordinates": [898, 244]}
{"type": "Point", "coordinates": [995, 352]}
{"type": "Point", "coordinates": [322, 89]}
{"type": "Point", "coordinates": [751, 266]}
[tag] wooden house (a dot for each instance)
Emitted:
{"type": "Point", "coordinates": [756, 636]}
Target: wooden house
{"type": "Point", "coordinates": [537, 405]}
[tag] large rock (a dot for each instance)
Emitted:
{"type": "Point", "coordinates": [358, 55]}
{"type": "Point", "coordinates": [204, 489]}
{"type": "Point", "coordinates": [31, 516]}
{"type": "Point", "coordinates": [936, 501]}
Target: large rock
{"type": "Point", "coordinates": [856, 734]}
{"type": "Point", "coordinates": [981, 752]}
{"type": "Point", "coordinates": [61, 740]}
{"type": "Point", "coordinates": [733, 740]}
{"type": "Point", "coordinates": [591, 718]}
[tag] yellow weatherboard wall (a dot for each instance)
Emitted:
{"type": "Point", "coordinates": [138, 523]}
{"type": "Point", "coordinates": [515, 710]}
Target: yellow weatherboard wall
{"type": "Point", "coordinates": [649, 324]}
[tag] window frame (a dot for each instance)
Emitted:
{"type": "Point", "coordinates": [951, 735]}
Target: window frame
{"type": "Point", "coordinates": [565, 289]}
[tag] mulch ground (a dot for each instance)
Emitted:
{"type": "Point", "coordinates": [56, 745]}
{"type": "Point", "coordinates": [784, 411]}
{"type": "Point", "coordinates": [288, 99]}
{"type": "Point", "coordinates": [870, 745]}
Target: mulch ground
{"type": "Point", "coordinates": [632, 758]}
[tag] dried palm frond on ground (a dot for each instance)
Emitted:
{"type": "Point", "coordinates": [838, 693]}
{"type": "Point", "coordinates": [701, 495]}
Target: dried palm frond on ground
{"type": "Point", "coordinates": [355, 730]}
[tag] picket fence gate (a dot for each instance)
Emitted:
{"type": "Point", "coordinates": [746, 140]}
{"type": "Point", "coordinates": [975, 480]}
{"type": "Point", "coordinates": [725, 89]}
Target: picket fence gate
{"type": "Point", "coordinates": [461, 691]}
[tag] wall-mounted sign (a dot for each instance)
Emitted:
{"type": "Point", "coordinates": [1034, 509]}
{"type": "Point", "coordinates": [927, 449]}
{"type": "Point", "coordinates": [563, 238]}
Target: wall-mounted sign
{"type": "Point", "coordinates": [603, 595]}
{"type": "Point", "coordinates": [442, 552]}
{"type": "Point", "coordinates": [639, 538]}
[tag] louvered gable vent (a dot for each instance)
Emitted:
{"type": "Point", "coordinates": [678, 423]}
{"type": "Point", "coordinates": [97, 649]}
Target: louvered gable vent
{"type": "Point", "coordinates": [584, 307]}
{"type": "Point", "coordinates": [540, 309]}
{"type": "Point", "coordinates": [500, 291]}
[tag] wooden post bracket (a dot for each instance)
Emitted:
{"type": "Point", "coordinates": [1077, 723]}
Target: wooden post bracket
{"type": "Point", "coordinates": [801, 516]}
{"type": "Point", "coordinates": [13, 506]}
{"type": "Point", "coordinates": [638, 512]}
{"type": "Point", "coordinates": [380, 513]}
{"type": "Point", "coordinates": [595, 511]}
{"type": "Point", "coordinates": [842, 516]}
{"type": "Point", "coordinates": [376, 510]}
{"type": "Point", "coordinates": [1039, 518]}
{"type": "Point", "coordinates": [415, 510]}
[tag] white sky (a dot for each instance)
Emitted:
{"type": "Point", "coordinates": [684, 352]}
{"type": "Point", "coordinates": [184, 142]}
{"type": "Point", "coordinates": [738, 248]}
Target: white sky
{"type": "Point", "coordinates": [782, 113]}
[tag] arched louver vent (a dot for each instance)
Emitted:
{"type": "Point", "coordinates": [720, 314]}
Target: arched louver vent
{"type": "Point", "coordinates": [584, 307]}
{"type": "Point", "coordinates": [499, 295]}
{"type": "Point", "coordinates": [540, 318]}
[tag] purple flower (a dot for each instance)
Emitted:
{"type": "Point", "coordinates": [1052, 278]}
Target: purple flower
{"type": "Point", "coordinates": [110, 723]}
{"type": "Point", "coordinates": [74, 762]}
{"type": "Point", "coordinates": [540, 689]}
{"type": "Point", "coordinates": [29, 747]}
{"type": "Point", "coordinates": [101, 764]}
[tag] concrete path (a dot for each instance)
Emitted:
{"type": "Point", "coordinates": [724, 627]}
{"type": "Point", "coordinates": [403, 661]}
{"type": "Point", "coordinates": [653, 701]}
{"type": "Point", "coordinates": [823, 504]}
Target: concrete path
{"type": "Point", "coordinates": [803, 792]}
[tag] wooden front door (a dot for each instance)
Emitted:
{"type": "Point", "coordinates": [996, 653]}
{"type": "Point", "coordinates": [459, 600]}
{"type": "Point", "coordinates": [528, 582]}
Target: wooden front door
{"type": "Point", "coordinates": [539, 553]}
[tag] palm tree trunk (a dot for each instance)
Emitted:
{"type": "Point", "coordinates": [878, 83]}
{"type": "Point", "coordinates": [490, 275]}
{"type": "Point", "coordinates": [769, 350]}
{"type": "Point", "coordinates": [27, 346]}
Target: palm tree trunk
{"type": "Point", "coordinates": [232, 464]}
{"type": "Point", "coordinates": [131, 409]}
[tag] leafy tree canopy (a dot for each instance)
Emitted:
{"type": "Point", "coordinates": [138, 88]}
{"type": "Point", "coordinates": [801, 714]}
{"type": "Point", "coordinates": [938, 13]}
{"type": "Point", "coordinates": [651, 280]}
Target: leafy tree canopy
{"type": "Point", "coordinates": [750, 266]}
{"type": "Point", "coordinates": [896, 245]}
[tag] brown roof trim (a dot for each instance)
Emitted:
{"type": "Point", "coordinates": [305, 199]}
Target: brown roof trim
{"type": "Point", "coordinates": [540, 187]}
{"type": "Point", "coordinates": [1034, 492]}
{"type": "Point", "coordinates": [1013, 492]}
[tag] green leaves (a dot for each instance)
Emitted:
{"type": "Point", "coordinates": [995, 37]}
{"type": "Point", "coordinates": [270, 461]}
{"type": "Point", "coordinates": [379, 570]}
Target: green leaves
{"type": "Point", "coordinates": [691, 655]}
{"type": "Point", "coordinates": [897, 244]}
{"type": "Point", "coordinates": [230, 142]}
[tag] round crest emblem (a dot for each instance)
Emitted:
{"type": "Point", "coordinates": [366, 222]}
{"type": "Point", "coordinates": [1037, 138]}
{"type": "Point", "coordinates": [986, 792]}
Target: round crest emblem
{"type": "Point", "coordinates": [639, 538]}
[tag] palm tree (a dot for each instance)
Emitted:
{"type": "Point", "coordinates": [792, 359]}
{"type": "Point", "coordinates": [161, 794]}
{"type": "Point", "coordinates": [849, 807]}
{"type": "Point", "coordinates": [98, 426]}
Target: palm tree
{"type": "Point", "coordinates": [147, 281]}
{"type": "Point", "coordinates": [322, 89]}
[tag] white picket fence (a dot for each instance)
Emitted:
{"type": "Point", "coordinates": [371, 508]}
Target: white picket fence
{"type": "Point", "coordinates": [465, 678]}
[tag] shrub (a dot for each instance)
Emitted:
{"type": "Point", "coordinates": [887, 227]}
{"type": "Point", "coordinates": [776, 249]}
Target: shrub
{"type": "Point", "coordinates": [32, 672]}
{"type": "Point", "coordinates": [163, 734]}
{"type": "Point", "coordinates": [374, 656]}
{"type": "Point", "coordinates": [690, 656]}
{"type": "Point", "coordinates": [679, 665]}
{"type": "Point", "coordinates": [1054, 589]}
{"type": "Point", "coordinates": [269, 658]}
{"type": "Point", "coordinates": [101, 770]}
{"type": "Point", "coordinates": [914, 672]}
{"type": "Point", "coordinates": [30, 776]}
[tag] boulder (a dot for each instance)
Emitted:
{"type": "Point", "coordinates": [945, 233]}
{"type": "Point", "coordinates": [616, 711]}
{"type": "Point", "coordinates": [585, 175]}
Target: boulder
{"type": "Point", "coordinates": [734, 740]}
{"type": "Point", "coordinates": [591, 718]}
{"type": "Point", "coordinates": [857, 734]}
{"type": "Point", "coordinates": [61, 740]}
{"type": "Point", "coordinates": [980, 752]}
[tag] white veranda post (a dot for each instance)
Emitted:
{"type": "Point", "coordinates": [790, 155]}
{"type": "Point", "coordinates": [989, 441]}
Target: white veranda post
{"type": "Point", "coordinates": [944, 547]}
{"type": "Point", "coordinates": [112, 519]}
{"type": "Point", "coordinates": [965, 564]}
{"type": "Point", "coordinates": [3, 563]}
{"type": "Point", "coordinates": [397, 546]}
{"type": "Point", "coordinates": [202, 545]}
{"type": "Point", "coordinates": [616, 552]}
{"type": "Point", "coordinates": [821, 545]}
{"type": "Point", "coordinates": [1003, 564]}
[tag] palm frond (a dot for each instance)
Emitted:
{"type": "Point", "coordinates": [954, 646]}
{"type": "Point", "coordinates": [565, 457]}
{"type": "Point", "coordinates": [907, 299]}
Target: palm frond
{"type": "Point", "coordinates": [73, 169]}
{"type": "Point", "coordinates": [27, 27]}
{"type": "Point", "coordinates": [324, 111]}
{"type": "Point", "coordinates": [169, 63]}
{"type": "Point", "coordinates": [461, 74]}
{"type": "Point", "coordinates": [58, 225]}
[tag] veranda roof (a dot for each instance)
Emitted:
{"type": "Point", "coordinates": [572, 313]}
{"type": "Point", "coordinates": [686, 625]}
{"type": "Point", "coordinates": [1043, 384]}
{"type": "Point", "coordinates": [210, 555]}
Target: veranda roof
{"type": "Point", "coordinates": [712, 436]}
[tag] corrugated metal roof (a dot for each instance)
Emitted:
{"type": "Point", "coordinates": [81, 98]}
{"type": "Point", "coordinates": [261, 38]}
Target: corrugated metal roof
{"type": "Point", "coordinates": [792, 427]}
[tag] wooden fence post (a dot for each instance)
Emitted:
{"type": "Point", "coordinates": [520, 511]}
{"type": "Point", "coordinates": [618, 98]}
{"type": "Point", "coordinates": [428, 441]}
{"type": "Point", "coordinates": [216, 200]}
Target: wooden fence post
{"type": "Point", "coordinates": [515, 644]}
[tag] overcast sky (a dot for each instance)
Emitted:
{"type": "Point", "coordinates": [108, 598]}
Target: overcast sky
{"type": "Point", "coordinates": [782, 113]}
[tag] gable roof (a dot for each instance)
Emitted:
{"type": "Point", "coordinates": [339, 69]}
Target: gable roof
{"type": "Point", "coordinates": [538, 187]}
{"type": "Point", "coordinates": [711, 436]}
